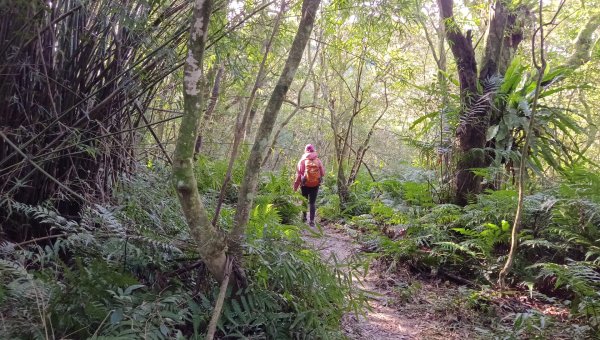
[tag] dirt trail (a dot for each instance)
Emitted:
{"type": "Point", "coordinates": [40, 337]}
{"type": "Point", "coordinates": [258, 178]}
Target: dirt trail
{"type": "Point", "coordinates": [406, 307]}
{"type": "Point", "coordinates": [382, 321]}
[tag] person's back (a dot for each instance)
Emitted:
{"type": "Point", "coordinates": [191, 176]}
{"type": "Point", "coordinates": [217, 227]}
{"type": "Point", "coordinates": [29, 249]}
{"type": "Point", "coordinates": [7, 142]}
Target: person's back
{"type": "Point", "coordinates": [309, 175]}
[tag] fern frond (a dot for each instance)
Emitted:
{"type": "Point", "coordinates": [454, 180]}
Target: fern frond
{"type": "Point", "coordinates": [111, 221]}
{"type": "Point", "coordinates": [12, 268]}
{"type": "Point", "coordinates": [156, 243]}
{"type": "Point", "coordinates": [478, 112]}
{"type": "Point", "coordinates": [455, 247]}
{"type": "Point", "coordinates": [45, 215]}
{"type": "Point", "coordinates": [540, 243]}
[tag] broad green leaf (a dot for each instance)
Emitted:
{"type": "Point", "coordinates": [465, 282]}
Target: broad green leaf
{"type": "Point", "coordinates": [491, 132]}
{"type": "Point", "coordinates": [511, 120]}
{"type": "Point", "coordinates": [164, 330]}
{"type": "Point", "coordinates": [116, 316]}
{"type": "Point", "coordinates": [422, 118]}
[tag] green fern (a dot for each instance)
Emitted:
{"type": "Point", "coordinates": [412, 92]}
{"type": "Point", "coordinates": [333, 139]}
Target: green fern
{"type": "Point", "coordinates": [583, 279]}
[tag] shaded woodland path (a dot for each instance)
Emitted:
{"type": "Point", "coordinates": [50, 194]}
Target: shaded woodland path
{"type": "Point", "coordinates": [417, 319]}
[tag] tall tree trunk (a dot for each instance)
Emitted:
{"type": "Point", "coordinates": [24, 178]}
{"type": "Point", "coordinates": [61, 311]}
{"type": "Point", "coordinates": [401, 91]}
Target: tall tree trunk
{"type": "Point", "coordinates": [343, 191]}
{"type": "Point", "coordinates": [250, 123]}
{"type": "Point", "coordinates": [343, 137]}
{"type": "Point", "coordinates": [468, 135]}
{"type": "Point", "coordinates": [297, 105]}
{"type": "Point", "coordinates": [584, 42]}
{"type": "Point", "coordinates": [248, 188]}
{"type": "Point", "coordinates": [502, 39]}
{"type": "Point", "coordinates": [211, 243]}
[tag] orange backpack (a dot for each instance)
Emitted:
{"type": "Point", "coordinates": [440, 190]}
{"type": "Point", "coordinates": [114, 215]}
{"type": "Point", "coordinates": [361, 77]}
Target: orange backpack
{"type": "Point", "coordinates": [312, 173]}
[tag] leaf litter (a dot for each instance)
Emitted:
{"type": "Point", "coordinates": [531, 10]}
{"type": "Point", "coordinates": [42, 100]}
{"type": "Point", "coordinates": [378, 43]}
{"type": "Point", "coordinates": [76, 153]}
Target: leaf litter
{"type": "Point", "coordinates": [403, 307]}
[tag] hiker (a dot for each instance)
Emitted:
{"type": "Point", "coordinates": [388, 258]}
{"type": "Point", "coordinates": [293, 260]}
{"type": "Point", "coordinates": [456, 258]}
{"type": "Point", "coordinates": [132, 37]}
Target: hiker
{"type": "Point", "coordinates": [309, 175]}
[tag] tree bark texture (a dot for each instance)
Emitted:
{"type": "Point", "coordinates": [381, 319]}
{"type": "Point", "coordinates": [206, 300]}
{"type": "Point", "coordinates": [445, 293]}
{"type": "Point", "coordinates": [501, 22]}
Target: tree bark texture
{"type": "Point", "coordinates": [502, 39]}
{"type": "Point", "coordinates": [248, 187]}
{"type": "Point", "coordinates": [584, 42]}
{"type": "Point", "coordinates": [297, 104]}
{"type": "Point", "coordinates": [477, 91]}
{"type": "Point", "coordinates": [464, 54]}
{"type": "Point", "coordinates": [468, 134]}
{"type": "Point", "coordinates": [212, 104]}
{"type": "Point", "coordinates": [211, 243]}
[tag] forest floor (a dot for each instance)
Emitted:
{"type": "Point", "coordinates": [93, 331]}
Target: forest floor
{"type": "Point", "coordinates": [389, 317]}
{"type": "Point", "coordinates": [403, 306]}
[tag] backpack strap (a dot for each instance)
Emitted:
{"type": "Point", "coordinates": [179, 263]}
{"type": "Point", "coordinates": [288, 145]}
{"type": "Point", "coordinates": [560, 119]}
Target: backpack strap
{"type": "Point", "coordinates": [305, 168]}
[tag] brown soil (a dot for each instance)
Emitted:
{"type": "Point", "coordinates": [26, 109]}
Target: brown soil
{"type": "Point", "coordinates": [389, 317]}
{"type": "Point", "coordinates": [403, 306]}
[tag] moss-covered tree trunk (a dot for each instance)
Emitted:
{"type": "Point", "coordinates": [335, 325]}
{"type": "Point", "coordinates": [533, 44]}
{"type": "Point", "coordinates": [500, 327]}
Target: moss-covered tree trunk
{"type": "Point", "coordinates": [210, 242]}
{"type": "Point", "coordinates": [584, 43]}
{"type": "Point", "coordinates": [248, 188]}
{"type": "Point", "coordinates": [212, 104]}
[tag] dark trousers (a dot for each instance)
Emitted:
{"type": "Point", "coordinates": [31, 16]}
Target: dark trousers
{"type": "Point", "coordinates": [311, 196]}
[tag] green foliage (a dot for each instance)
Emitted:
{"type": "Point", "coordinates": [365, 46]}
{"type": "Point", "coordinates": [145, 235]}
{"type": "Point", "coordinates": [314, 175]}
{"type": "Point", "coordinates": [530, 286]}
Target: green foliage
{"type": "Point", "coordinates": [406, 292]}
{"type": "Point", "coordinates": [392, 187]}
{"type": "Point", "coordinates": [583, 279]}
{"type": "Point", "coordinates": [554, 127]}
{"type": "Point", "coordinates": [531, 325]}
{"type": "Point", "coordinates": [97, 289]}
{"type": "Point", "coordinates": [443, 214]}
{"type": "Point", "coordinates": [485, 237]}
{"type": "Point", "coordinates": [149, 199]}
{"type": "Point", "coordinates": [492, 206]}
{"type": "Point", "coordinates": [111, 275]}
{"type": "Point", "coordinates": [277, 190]}
{"type": "Point", "coordinates": [292, 293]}
{"type": "Point", "coordinates": [559, 241]}
{"type": "Point", "coordinates": [361, 196]}
{"type": "Point", "coordinates": [381, 199]}
{"type": "Point", "coordinates": [329, 207]}
{"type": "Point", "coordinates": [211, 172]}
{"type": "Point", "coordinates": [417, 194]}
{"type": "Point", "coordinates": [581, 183]}
{"type": "Point", "coordinates": [387, 215]}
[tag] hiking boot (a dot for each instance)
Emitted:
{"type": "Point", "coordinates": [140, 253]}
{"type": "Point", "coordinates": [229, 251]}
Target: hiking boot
{"type": "Point", "coordinates": [311, 224]}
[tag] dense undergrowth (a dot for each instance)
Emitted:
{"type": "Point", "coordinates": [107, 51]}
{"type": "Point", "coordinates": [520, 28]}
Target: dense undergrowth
{"type": "Point", "coordinates": [403, 222]}
{"type": "Point", "coordinates": [131, 270]}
